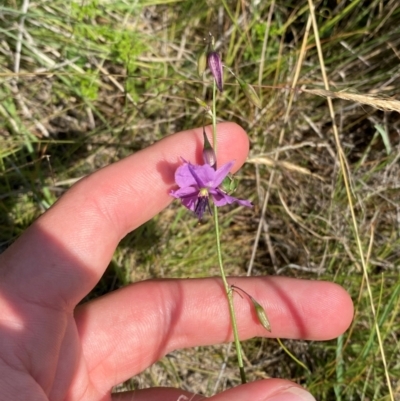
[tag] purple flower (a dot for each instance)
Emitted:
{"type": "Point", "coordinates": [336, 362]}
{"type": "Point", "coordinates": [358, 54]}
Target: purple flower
{"type": "Point", "coordinates": [199, 183]}
{"type": "Point", "coordinates": [215, 66]}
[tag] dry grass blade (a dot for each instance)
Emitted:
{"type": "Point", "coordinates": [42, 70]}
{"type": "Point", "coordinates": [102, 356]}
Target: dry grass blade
{"type": "Point", "coordinates": [267, 161]}
{"type": "Point", "coordinates": [298, 220]}
{"type": "Point", "coordinates": [369, 100]}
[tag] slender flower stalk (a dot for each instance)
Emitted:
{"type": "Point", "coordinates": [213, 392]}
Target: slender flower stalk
{"type": "Point", "coordinates": [214, 117]}
{"type": "Point", "coordinates": [228, 291]}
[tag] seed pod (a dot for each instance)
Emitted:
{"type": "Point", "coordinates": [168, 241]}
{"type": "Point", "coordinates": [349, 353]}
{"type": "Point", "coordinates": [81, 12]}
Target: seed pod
{"type": "Point", "coordinates": [262, 316]}
{"type": "Point", "coordinates": [250, 92]}
{"type": "Point", "coordinates": [215, 66]}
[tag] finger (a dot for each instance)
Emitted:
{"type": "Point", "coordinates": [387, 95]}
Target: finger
{"type": "Point", "coordinates": [263, 390]}
{"type": "Point", "coordinates": [157, 394]}
{"type": "Point", "coordinates": [65, 252]}
{"type": "Point", "coordinates": [126, 331]}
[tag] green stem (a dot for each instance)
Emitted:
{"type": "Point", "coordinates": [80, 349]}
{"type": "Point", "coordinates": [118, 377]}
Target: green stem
{"type": "Point", "coordinates": [229, 294]}
{"type": "Point", "coordinates": [228, 291]}
{"type": "Point", "coordinates": [214, 116]}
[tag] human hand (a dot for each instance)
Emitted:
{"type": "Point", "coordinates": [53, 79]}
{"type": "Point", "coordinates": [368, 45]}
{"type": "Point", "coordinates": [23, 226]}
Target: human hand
{"type": "Point", "coordinates": [50, 349]}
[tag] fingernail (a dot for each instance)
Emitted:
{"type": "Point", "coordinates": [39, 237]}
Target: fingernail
{"type": "Point", "coordinates": [292, 394]}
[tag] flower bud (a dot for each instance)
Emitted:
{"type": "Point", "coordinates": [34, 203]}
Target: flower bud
{"type": "Point", "coordinates": [250, 92]}
{"type": "Point", "coordinates": [215, 66]}
{"type": "Point", "coordinates": [209, 155]}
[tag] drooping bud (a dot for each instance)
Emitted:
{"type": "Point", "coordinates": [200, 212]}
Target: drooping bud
{"type": "Point", "coordinates": [202, 63]}
{"type": "Point", "coordinates": [209, 155]}
{"type": "Point", "coordinates": [215, 65]}
{"type": "Point", "coordinates": [250, 92]}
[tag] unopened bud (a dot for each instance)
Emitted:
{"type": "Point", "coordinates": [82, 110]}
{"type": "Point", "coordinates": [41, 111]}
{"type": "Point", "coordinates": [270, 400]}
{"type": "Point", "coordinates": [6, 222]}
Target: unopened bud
{"type": "Point", "coordinates": [215, 66]}
{"type": "Point", "coordinates": [250, 92]}
{"type": "Point", "coordinates": [209, 155]}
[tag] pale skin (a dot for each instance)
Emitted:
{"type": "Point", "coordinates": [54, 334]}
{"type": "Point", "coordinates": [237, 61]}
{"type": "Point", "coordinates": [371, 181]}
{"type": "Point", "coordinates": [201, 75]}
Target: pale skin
{"type": "Point", "coordinates": [50, 349]}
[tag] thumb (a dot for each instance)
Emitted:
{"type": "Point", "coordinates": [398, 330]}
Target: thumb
{"type": "Point", "coordinates": [265, 390]}
{"type": "Point", "coordinates": [262, 390]}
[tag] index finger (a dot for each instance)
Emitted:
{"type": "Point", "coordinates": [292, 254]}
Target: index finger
{"type": "Point", "coordinates": [66, 250]}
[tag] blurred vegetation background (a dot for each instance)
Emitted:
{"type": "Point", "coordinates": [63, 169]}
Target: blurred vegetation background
{"type": "Point", "coordinates": [85, 83]}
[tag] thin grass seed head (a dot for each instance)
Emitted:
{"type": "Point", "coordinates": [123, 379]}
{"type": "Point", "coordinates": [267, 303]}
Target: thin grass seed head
{"type": "Point", "coordinates": [197, 184]}
{"type": "Point", "coordinates": [202, 63]}
{"type": "Point", "coordinates": [204, 105]}
{"type": "Point", "coordinates": [250, 92]}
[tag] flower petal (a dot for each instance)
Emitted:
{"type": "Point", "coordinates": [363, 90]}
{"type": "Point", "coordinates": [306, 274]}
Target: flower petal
{"type": "Point", "coordinates": [221, 173]}
{"type": "Point", "coordinates": [220, 198]}
{"type": "Point", "coordinates": [190, 202]}
{"type": "Point", "coordinates": [204, 175]}
{"type": "Point", "coordinates": [184, 177]}
{"type": "Point", "coordinates": [184, 192]}
{"type": "Point", "coordinates": [188, 195]}
{"type": "Point", "coordinates": [243, 202]}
